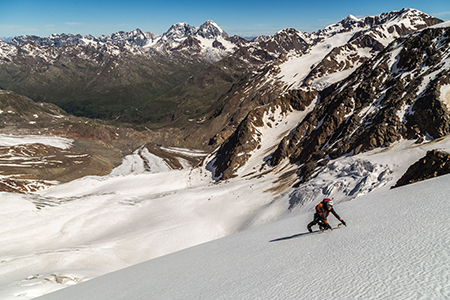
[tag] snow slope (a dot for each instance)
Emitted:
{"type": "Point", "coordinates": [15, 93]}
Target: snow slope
{"type": "Point", "coordinates": [396, 246]}
{"type": "Point", "coordinates": [95, 225]}
{"type": "Point", "coordinates": [76, 231]}
{"type": "Point", "coordinates": [296, 68]}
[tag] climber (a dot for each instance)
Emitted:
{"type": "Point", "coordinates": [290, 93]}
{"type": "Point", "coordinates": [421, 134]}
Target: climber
{"type": "Point", "coordinates": [323, 209]}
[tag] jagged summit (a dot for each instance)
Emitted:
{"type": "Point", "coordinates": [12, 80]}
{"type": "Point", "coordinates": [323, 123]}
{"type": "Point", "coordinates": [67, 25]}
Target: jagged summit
{"type": "Point", "coordinates": [407, 17]}
{"type": "Point", "coordinates": [210, 30]}
{"type": "Point", "coordinates": [177, 33]}
{"type": "Point", "coordinates": [350, 19]}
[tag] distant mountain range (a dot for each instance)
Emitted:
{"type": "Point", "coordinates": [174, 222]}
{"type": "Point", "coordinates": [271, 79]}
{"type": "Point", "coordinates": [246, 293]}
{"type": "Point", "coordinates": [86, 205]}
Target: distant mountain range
{"type": "Point", "coordinates": [205, 35]}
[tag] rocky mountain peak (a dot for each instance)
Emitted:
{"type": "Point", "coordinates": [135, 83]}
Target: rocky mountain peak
{"type": "Point", "coordinates": [350, 20]}
{"type": "Point", "coordinates": [210, 30]}
{"type": "Point", "coordinates": [179, 31]}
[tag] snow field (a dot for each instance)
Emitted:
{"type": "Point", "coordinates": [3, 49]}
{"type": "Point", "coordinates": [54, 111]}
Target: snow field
{"type": "Point", "coordinates": [395, 247]}
{"type": "Point", "coordinates": [139, 162]}
{"type": "Point", "coordinates": [96, 225]}
{"type": "Point", "coordinates": [107, 223]}
{"type": "Point", "coordinates": [296, 68]}
{"type": "Point", "coordinates": [54, 141]}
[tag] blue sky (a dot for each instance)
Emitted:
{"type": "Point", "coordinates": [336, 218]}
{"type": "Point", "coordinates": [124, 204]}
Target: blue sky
{"type": "Point", "coordinates": [245, 18]}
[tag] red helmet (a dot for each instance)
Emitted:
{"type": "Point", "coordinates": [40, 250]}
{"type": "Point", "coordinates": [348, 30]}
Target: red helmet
{"type": "Point", "coordinates": [328, 202]}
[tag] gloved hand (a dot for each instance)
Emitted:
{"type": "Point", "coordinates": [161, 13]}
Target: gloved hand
{"type": "Point", "coordinates": [343, 223]}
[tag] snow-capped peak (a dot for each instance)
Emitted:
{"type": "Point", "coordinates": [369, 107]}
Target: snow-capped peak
{"type": "Point", "coordinates": [209, 39]}
{"type": "Point", "coordinates": [210, 30]}
{"type": "Point", "coordinates": [179, 31]}
{"type": "Point", "coordinates": [351, 19]}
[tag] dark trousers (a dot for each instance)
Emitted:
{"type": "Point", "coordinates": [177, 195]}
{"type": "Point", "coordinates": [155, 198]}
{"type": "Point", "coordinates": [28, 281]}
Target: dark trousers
{"type": "Point", "coordinates": [317, 220]}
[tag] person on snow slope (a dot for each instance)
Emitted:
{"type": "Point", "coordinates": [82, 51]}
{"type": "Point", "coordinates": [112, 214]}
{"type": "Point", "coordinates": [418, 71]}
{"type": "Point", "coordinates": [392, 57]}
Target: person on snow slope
{"type": "Point", "coordinates": [323, 210]}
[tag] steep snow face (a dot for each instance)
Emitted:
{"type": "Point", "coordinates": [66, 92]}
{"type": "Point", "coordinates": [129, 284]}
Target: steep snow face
{"type": "Point", "coordinates": [294, 71]}
{"type": "Point", "coordinates": [276, 124]}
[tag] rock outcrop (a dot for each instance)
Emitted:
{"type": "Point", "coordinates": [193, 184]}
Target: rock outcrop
{"type": "Point", "coordinates": [238, 148]}
{"type": "Point", "coordinates": [435, 163]}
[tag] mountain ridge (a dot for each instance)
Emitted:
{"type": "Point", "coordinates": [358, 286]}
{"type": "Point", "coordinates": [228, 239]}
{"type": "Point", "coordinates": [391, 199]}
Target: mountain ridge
{"type": "Point", "coordinates": [347, 122]}
{"type": "Point", "coordinates": [169, 40]}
